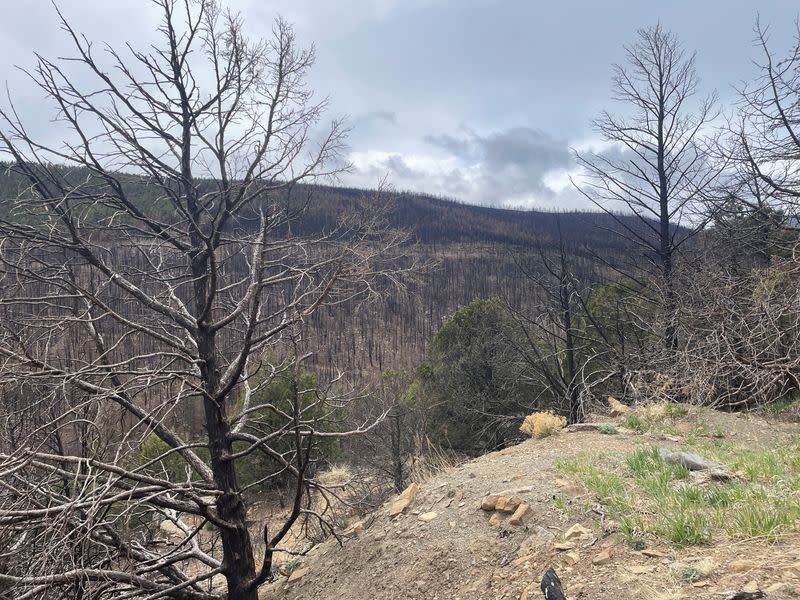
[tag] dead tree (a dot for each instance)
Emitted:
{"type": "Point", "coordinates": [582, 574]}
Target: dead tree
{"type": "Point", "coordinates": [552, 344]}
{"type": "Point", "coordinates": [148, 271]}
{"type": "Point", "coordinates": [655, 164]}
{"type": "Point", "coordinates": [770, 119]}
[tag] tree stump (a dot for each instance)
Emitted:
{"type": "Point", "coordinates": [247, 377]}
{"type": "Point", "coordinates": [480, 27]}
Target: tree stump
{"type": "Point", "coordinates": [551, 586]}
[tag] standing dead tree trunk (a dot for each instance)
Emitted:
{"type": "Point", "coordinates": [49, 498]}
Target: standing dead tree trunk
{"type": "Point", "coordinates": [654, 164]}
{"type": "Point", "coordinates": [148, 271]}
{"type": "Point", "coordinates": [553, 345]}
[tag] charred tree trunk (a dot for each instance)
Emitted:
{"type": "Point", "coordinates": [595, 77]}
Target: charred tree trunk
{"type": "Point", "coordinates": [551, 586]}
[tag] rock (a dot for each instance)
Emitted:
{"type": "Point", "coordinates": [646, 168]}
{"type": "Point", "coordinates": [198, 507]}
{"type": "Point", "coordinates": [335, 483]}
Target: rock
{"type": "Point", "coordinates": [297, 575]}
{"type": "Point", "coordinates": [427, 517]}
{"type": "Point", "coordinates": [694, 462]}
{"type": "Point", "coordinates": [572, 558]}
{"type": "Point", "coordinates": [404, 501]}
{"type": "Point", "coordinates": [494, 520]}
{"type": "Point", "coordinates": [410, 491]}
{"type": "Point", "coordinates": [398, 506]}
{"type": "Point", "coordinates": [743, 565]}
{"type": "Point", "coordinates": [653, 553]}
{"type": "Point", "coordinates": [750, 587]}
{"type": "Point", "coordinates": [522, 560]}
{"type": "Point", "coordinates": [778, 587]}
{"type": "Point", "coordinates": [563, 546]}
{"type": "Point", "coordinates": [576, 531]}
{"type": "Point", "coordinates": [354, 530]}
{"type": "Point", "coordinates": [489, 501]}
{"type": "Point", "coordinates": [521, 515]}
{"type": "Point", "coordinates": [618, 409]}
{"type": "Point", "coordinates": [542, 538]}
{"type": "Point", "coordinates": [506, 504]}
{"type": "Point", "coordinates": [529, 592]}
{"type": "Point", "coordinates": [602, 558]}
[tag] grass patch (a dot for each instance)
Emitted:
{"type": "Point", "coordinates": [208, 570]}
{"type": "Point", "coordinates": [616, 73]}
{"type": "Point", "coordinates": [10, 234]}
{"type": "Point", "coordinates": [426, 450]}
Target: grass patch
{"type": "Point", "coordinates": [675, 411]}
{"type": "Point", "coordinates": [635, 423]}
{"type": "Point", "coordinates": [683, 528]}
{"type": "Point", "coordinates": [657, 420]}
{"type": "Point", "coordinates": [654, 499]}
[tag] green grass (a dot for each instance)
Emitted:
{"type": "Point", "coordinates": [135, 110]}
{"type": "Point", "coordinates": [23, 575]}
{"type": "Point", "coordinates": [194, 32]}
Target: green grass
{"type": "Point", "coordinates": [635, 423]}
{"type": "Point", "coordinates": [608, 430]}
{"type": "Point", "coordinates": [655, 424]}
{"type": "Point", "coordinates": [676, 411]}
{"type": "Point", "coordinates": [683, 528]}
{"type": "Point", "coordinates": [654, 499]}
{"type": "Point", "coordinates": [691, 574]}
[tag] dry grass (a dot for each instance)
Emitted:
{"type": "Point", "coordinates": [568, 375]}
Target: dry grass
{"type": "Point", "coordinates": [430, 460]}
{"type": "Point", "coordinates": [542, 424]}
{"type": "Point", "coordinates": [651, 593]}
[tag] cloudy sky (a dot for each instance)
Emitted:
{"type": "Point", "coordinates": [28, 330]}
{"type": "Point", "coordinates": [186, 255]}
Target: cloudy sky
{"type": "Point", "coordinates": [479, 100]}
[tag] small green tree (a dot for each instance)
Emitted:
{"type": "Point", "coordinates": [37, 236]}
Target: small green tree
{"type": "Point", "coordinates": [470, 383]}
{"type": "Point", "coordinates": [288, 390]}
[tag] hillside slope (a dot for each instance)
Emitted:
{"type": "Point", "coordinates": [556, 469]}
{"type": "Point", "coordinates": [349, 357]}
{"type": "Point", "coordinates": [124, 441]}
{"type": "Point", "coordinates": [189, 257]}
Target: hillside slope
{"type": "Point", "coordinates": [464, 552]}
{"type": "Point", "coordinates": [469, 250]}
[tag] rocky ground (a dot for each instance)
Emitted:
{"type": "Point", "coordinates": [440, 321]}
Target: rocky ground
{"type": "Point", "coordinates": [491, 527]}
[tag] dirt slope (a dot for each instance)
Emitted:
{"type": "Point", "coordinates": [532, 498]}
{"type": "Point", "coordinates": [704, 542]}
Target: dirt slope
{"type": "Point", "coordinates": [464, 553]}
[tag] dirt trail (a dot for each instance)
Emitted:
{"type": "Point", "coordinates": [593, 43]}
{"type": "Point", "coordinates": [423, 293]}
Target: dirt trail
{"type": "Point", "coordinates": [464, 553]}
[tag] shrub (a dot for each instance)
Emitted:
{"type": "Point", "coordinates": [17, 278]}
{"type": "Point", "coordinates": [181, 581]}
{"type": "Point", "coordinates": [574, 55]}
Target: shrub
{"type": "Point", "coordinates": [542, 424]}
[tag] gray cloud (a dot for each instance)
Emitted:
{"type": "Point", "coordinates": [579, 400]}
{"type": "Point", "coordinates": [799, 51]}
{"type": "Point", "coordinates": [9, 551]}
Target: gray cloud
{"type": "Point", "coordinates": [507, 167]}
{"type": "Point", "coordinates": [527, 77]}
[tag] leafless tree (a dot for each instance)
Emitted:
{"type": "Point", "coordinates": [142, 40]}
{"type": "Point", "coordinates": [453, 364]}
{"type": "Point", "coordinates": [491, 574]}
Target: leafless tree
{"type": "Point", "coordinates": [149, 270]}
{"type": "Point", "coordinates": [571, 352]}
{"type": "Point", "coordinates": [768, 132]}
{"type": "Point", "coordinates": [741, 345]}
{"type": "Point", "coordinates": [655, 164]}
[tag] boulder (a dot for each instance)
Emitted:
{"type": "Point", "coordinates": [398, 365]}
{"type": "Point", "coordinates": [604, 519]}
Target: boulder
{"type": "Point", "coordinates": [695, 462]}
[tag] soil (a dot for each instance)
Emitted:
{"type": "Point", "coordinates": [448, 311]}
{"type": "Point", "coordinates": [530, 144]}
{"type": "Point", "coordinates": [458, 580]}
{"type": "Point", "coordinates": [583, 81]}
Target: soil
{"type": "Point", "coordinates": [461, 554]}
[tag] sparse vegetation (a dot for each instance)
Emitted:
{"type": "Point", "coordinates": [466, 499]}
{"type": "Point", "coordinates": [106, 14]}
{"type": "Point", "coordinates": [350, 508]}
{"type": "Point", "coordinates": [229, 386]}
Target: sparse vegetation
{"type": "Point", "coordinates": [211, 362]}
{"type": "Point", "coordinates": [650, 497]}
{"type": "Point", "coordinates": [542, 424]}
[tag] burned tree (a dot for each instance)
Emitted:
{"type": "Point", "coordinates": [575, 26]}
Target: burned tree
{"type": "Point", "coordinates": [149, 271]}
{"type": "Point", "coordinates": [655, 165]}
